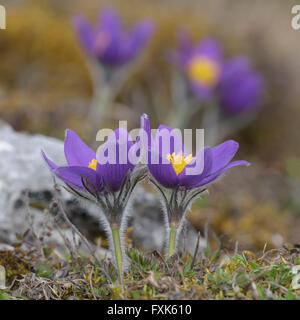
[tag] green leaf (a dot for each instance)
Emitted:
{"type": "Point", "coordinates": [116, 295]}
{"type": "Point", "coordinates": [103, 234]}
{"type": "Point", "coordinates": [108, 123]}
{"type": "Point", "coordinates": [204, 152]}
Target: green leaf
{"type": "Point", "coordinates": [47, 251]}
{"type": "Point", "coordinates": [297, 260]}
{"type": "Point", "coordinates": [136, 294]}
{"type": "Point", "coordinates": [44, 270]}
{"type": "Point", "coordinates": [290, 296]}
{"type": "Point", "coordinates": [240, 258]}
{"type": "Point", "coordinates": [254, 265]}
{"type": "Point", "coordinates": [4, 296]}
{"type": "Point", "coordinates": [261, 292]}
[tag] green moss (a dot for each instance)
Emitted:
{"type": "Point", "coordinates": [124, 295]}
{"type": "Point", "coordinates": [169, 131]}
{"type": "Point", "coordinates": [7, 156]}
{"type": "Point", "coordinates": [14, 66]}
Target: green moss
{"type": "Point", "coordinates": [15, 262]}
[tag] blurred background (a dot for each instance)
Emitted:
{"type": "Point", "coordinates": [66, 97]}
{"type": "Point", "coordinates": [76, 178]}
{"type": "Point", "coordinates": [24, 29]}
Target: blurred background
{"type": "Point", "coordinates": [46, 87]}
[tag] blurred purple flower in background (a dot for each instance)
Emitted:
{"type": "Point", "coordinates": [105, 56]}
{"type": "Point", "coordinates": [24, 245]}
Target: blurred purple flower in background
{"type": "Point", "coordinates": [112, 49]}
{"type": "Point", "coordinates": [108, 41]}
{"type": "Point", "coordinates": [241, 87]}
{"type": "Point", "coordinates": [218, 84]}
{"type": "Point", "coordinates": [201, 64]}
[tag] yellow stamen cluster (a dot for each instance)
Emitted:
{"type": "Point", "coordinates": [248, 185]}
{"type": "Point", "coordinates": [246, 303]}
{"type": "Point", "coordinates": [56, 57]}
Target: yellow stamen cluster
{"type": "Point", "coordinates": [93, 164]}
{"type": "Point", "coordinates": [179, 162]}
{"type": "Point", "coordinates": [204, 71]}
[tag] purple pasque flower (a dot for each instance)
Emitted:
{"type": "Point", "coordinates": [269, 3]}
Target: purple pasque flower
{"type": "Point", "coordinates": [107, 178]}
{"type": "Point", "coordinates": [108, 41]}
{"type": "Point", "coordinates": [201, 64]}
{"type": "Point", "coordinates": [171, 168]}
{"type": "Point", "coordinates": [241, 87]}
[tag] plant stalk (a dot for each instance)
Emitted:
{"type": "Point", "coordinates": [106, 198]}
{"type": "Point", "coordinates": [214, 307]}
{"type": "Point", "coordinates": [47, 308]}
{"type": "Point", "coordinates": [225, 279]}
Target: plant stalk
{"type": "Point", "coordinates": [99, 109]}
{"type": "Point", "coordinates": [118, 251]}
{"type": "Point", "coordinates": [172, 241]}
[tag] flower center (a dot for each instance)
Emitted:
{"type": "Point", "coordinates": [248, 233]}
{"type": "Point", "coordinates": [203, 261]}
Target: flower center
{"type": "Point", "coordinates": [179, 162]}
{"type": "Point", "coordinates": [203, 70]}
{"type": "Point", "coordinates": [93, 164]}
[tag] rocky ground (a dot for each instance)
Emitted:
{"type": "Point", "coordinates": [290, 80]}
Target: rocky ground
{"type": "Point", "coordinates": [44, 258]}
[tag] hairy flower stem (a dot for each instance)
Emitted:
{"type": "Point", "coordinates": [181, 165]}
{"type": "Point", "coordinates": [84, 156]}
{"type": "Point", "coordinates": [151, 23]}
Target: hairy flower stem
{"type": "Point", "coordinates": [118, 251]}
{"type": "Point", "coordinates": [172, 241]}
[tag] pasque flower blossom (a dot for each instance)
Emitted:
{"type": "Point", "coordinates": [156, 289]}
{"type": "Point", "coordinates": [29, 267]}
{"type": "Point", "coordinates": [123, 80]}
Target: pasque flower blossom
{"type": "Point", "coordinates": [108, 178]}
{"type": "Point", "coordinates": [177, 187]}
{"type": "Point", "coordinates": [241, 87]}
{"type": "Point", "coordinates": [108, 41]}
{"type": "Point", "coordinates": [222, 87]}
{"type": "Point", "coordinates": [83, 168]}
{"type": "Point", "coordinates": [201, 64]}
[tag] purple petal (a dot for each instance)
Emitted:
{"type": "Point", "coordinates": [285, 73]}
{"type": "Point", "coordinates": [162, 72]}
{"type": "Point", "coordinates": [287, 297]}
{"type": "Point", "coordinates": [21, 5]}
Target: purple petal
{"type": "Point", "coordinates": [241, 87]}
{"type": "Point", "coordinates": [138, 38]}
{"type": "Point", "coordinates": [142, 138]}
{"type": "Point", "coordinates": [84, 31]}
{"type": "Point", "coordinates": [73, 175]}
{"type": "Point", "coordinates": [164, 174]}
{"type": "Point", "coordinates": [167, 141]}
{"type": "Point", "coordinates": [114, 174]}
{"type": "Point", "coordinates": [210, 48]}
{"type": "Point", "coordinates": [121, 142]}
{"type": "Point", "coordinates": [110, 21]}
{"type": "Point", "coordinates": [223, 154]}
{"type": "Point", "coordinates": [113, 162]}
{"type": "Point", "coordinates": [145, 134]}
{"type": "Point", "coordinates": [77, 152]}
{"type": "Point", "coordinates": [202, 91]}
{"type": "Point", "coordinates": [109, 42]}
{"type": "Point", "coordinates": [215, 175]}
{"type": "Point", "coordinates": [51, 164]}
{"type": "Point", "coordinates": [189, 181]}
{"type": "Point", "coordinates": [182, 54]}
{"type": "Point", "coordinates": [110, 30]}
